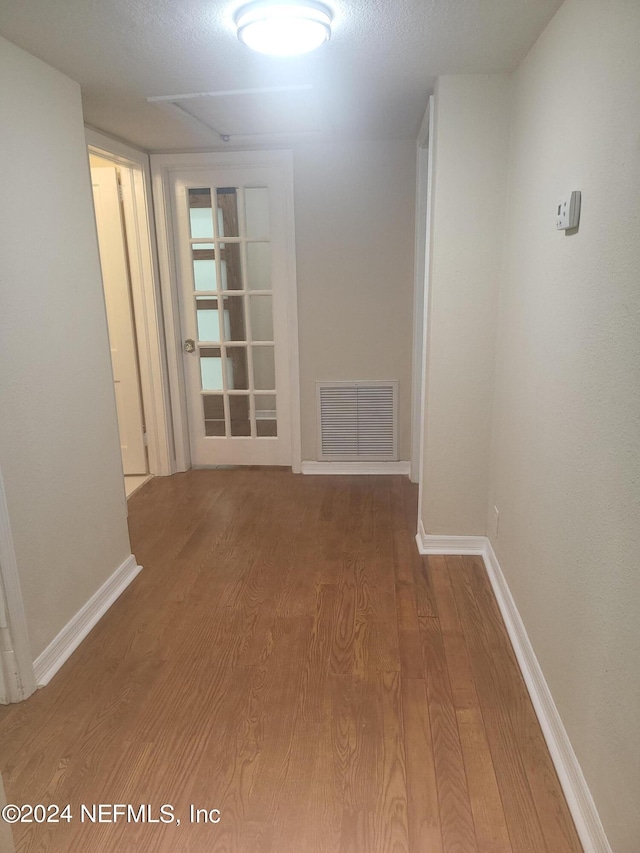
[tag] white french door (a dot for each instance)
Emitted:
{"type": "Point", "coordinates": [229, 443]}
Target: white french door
{"type": "Point", "coordinates": [231, 252]}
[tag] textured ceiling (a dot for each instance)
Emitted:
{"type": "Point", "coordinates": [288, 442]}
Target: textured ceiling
{"type": "Point", "coordinates": [370, 81]}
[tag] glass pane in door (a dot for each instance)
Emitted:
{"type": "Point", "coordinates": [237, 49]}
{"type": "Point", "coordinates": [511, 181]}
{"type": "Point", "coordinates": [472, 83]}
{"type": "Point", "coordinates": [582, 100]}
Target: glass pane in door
{"type": "Point", "coordinates": [261, 314]}
{"type": "Point", "coordinates": [227, 200]}
{"type": "Point", "coordinates": [256, 203]}
{"type": "Point", "coordinates": [258, 266]}
{"type": "Point", "coordinates": [213, 410]}
{"type": "Point", "coordinates": [264, 371]}
{"type": "Point", "coordinates": [211, 369]}
{"type": "Point", "coordinates": [200, 213]}
{"type": "Point", "coordinates": [237, 368]}
{"type": "Point", "coordinates": [235, 326]}
{"type": "Point", "coordinates": [239, 413]}
{"type": "Point", "coordinates": [207, 317]}
{"type": "Point", "coordinates": [204, 267]}
{"type": "Point", "coordinates": [230, 267]}
{"type": "Point", "coordinates": [266, 421]}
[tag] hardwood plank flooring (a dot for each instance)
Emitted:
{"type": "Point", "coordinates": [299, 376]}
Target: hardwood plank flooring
{"type": "Point", "coordinates": [288, 658]}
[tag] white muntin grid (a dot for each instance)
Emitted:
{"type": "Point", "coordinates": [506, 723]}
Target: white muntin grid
{"type": "Point", "coordinates": [224, 344]}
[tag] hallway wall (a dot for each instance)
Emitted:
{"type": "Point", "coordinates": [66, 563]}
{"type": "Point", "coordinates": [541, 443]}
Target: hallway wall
{"type": "Point", "coordinates": [354, 209]}
{"type": "Point", "coordinates": [59, 447]}
{"type": "Point", "coordinates": [566, 432]}
{"type": "Point", "coordinates": [471, 141]}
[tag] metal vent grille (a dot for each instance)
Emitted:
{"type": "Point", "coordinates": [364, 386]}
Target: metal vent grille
{"type": "Point", "coordinates": [357, 421]}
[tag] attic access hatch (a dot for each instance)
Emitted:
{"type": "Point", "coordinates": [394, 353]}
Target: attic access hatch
{"type": "Point", "coordinates": [249, 114]}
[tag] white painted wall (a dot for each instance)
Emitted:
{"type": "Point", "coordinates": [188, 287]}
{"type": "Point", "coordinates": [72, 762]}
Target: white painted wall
{"type": "Point", "coordinates": [471, 137]}
{"type": "Point", "coordinates": [355, 210]}
{"type": "Point", "coordinates": [566, 435]}
{"type": "Point", "coordinates": [59, 449]}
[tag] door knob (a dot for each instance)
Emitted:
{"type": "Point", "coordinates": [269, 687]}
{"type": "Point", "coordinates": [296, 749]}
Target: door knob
{"type": "Point", "coordinates": [189, 345]}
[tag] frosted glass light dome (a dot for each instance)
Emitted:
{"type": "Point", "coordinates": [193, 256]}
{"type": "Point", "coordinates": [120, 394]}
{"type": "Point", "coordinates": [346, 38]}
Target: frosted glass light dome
{"type": "Point", "coordinates": [283, 29]}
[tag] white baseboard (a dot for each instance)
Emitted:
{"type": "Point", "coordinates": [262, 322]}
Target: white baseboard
{"type": "Point", "coordinates": [67, 641]}
{"type": "Point", "coordinates": [430, 544]}
{"type": "Point", "coordinates": [356, 467]}
{"type": "Point", "coordinates": [581, 805]}
{"type": "Point", "coordinates": [574, 785]}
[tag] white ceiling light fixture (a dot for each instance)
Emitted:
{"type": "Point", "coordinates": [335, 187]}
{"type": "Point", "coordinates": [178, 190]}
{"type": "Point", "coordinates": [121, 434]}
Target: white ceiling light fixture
{"type": "Point", "coordinates": [284, 29]}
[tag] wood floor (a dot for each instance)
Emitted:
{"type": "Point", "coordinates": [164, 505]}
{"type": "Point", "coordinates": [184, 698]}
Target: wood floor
{"type": "Point", "coordinates": [132, 482]}
{"type": "Point", "coordinates": [288, 658]}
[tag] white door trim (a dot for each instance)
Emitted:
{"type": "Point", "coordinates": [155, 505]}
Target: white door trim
{"type": "Point", "coordinates": [163, 166]}
{"type": "Point", "coordinates": [116, 280]}
{"type": "Point", "coordinates": [421, 307]}
{"type": "Point", "coordinates": [17, 662]}
{"type": "Point", "coordinates": [140, 227]}
{"type": "Point", "coordinates": [292, 319]}
{"type": "Point", "coordinates": [421, 248]}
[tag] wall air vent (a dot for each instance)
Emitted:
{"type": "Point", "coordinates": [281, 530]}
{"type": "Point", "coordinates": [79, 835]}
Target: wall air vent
{"type": "Point", "coordinates": [357, 421]}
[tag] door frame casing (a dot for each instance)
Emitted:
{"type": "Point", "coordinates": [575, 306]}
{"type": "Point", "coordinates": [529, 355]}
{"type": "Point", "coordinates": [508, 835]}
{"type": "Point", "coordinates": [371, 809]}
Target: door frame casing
{"type": "Point", "coordinates": [145, 289]}
{"type": "Point", "coordinates": [425, 159]}
{"type": "Point", "coordinates": [114, 262]}
{"type": "Point", "coordinates": [163, 168]}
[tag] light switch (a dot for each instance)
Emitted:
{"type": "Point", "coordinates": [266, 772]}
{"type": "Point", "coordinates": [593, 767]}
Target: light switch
{"type": "Point", "coordinates": [568, 212]}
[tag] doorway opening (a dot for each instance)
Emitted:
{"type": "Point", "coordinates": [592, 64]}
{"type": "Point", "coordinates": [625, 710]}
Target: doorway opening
{"type": "Point", "coordinates": [121, 185]}
{"type": "Point", "coordinates": [108, 196]}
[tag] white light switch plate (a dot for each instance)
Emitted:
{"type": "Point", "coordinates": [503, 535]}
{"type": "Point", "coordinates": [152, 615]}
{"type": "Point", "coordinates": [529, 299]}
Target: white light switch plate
{"type": "Point", "coordinates": [568, 211]}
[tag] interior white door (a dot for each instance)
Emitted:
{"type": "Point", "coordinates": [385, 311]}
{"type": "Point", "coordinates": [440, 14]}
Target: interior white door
{"type": "Point", "coordinates": [122, 337]}
{"type": "Point", "coordinates": [230, 234]}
